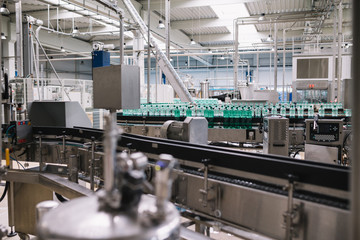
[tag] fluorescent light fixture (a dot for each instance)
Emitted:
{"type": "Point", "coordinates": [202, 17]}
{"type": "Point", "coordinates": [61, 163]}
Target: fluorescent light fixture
{"type": "Point", "coordinates": [62, 49]}
{"type": "Point", "coordinates": [269, 38]}
{"type": "Point", "coordinates": [192, 42]}
{"type": "Point", "coordinates": [3, 37]}
{"type": "Point", "coordinates": [262, 17]}
{"type": "Point", "coordinates": [161, 25]}
{"type": "Point", "coordinates": [4, 10]}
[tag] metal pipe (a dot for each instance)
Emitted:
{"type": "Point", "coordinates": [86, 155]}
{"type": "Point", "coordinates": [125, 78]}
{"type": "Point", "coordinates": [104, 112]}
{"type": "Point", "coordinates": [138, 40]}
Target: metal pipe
{"type": "Point", "coordinates": [19, 39]}
{"type": "Point", "coordinates": [355, 168]}
{"type": "Point", "coordinates": [334, 55]}
{"type": "Point", "coordinates": [257, 67]}
{"type": "Point", "coordinates": [92, 165]}
{"type": "Point", "coordinates": [172, 55]}
{"type": "Point", "coordinates": [275, 57]}
{"type": "Point", "coordinates": [164, 63]}
{"type": "Point", "coordinates": [167, 28]}
{"type": "Point", "coordinates": [284, 61]}
{"type": "Point", "coordinates": [110, 144]}
{"type": "Point", "coordinates": [148, 54]}
{"type": "Point", "coordinates": [339, 93]}
{"type": "Point", "coordinates": [37, 32]}
{"type": "Point", "coordinates": [236, 58]}
{"type": "Point", "coordinates": [121, 38]}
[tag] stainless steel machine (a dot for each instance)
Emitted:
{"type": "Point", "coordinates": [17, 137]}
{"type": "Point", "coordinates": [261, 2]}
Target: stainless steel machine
{"type": "Point", "coordinates": [324, 140]}
{"type": "Point", "coordinates": [276, 136]}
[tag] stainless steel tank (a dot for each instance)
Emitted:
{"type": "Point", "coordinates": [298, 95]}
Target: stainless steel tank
{"type": "Point", "coordinates": [205, 89]}
{"type": "Point", "coordinates": [84, 219]}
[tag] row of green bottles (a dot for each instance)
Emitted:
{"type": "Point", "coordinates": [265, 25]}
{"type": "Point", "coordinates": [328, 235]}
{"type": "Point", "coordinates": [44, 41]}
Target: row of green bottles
{"type": "Point", "coordinates": [220, 110]}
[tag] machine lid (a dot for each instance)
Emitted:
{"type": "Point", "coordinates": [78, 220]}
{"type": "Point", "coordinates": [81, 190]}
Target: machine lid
{"type": "Point", "coordinates": [81, 219]}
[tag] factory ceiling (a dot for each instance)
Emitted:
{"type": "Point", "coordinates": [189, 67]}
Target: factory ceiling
{"type": "Point", "coordinates": [210, 23]}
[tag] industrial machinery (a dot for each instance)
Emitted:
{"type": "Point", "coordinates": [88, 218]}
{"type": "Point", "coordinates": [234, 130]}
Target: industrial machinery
{"type": "Point", "coordinates": [324, 140]}
{"type": "Point", "coordinates": [193, 130]}
{"type": "Point", "coordinates": [135, 181]}
{"type": "Point", "coordinates": [120, 211]}
{"type": "Point", "coordinates": [276, 136]}
{"type": "Point", "coordinates": [282, 192]}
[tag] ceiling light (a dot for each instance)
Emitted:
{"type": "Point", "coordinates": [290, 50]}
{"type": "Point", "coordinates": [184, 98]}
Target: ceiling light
{"type": "Point", "coordinates": [192, 42]}
{"type": "Point", "coordinates": [269, 38]}
{"type": "Point", "coordinates": [62, 49]}
{"type": "Point", "coordinates": [3, 36]}
{"type": "Point", "coordinates": [4, 10]}
{"type": "Point", "coordinates": [75, 31]}
{"type": "Point", "coordinates": [161, 25]}
{"type": "Point", "coordinates": [222, 58]}
{"type": "Point", "coordinates": [262, 17]}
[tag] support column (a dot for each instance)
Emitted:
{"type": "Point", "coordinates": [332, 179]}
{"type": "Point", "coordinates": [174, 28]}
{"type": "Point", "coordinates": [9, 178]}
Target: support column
{"type": "Point", "coordinates": [275, 57]}
{"type": "Point", "coordinates": [19, 39]}
{"type": "Point", "coordinates": [355, 168]}
{"type": "Point", "coordinates": [340, 35]}
{"type": "Point", "coordinates": [236, 57]}
{"type": "Point", "coordinates": [334, 57]}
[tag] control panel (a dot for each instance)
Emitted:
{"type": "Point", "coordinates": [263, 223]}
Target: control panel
{"type": "Point", "coordinates": [19, 132]}
{"type": "Point", "coordinates": [324, 131]}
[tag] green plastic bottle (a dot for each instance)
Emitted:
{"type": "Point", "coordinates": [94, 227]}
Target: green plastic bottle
{"type": "Point", "coordinates": [188, 112]}
{"type": "Point", "coordinates": [177, 113]}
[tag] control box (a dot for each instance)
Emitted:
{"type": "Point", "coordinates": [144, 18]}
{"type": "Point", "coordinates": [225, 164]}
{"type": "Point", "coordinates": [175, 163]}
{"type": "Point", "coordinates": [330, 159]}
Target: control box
{"type": "Point", "coordinates": [20, 132]}
{"type": "Point", "coordinates": [324, 132]}
{"type": "Point", "coordinates": [276, 136]}
{"type": "Point", "coordinates": [324, 140]}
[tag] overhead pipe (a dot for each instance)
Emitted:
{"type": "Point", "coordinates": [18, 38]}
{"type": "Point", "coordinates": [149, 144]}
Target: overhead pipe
{"type": "Point", "coordinates": [171, 55]}
{"type": "Point", "coordinates": [164, 63]}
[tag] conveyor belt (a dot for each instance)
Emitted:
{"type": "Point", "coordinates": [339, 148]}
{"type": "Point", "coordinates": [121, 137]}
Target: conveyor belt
{"type": "Point", "coordinates": [330, 176]}
{"type": "Point", "coordinates": [298, 194]}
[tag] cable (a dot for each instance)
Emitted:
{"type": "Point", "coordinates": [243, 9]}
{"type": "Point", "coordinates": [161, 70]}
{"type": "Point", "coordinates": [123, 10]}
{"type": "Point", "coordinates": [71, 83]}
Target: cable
{"type": "Point", "coordinates": [5, 191]}
{"type": "Point", "coordinates": [60, 197]}
{"type": "Point", "coordinates": [296, 153]}
{"type": "Point", "coordinates": [7, 130]}
{"type": "Point", "coordinates": [18, 162]}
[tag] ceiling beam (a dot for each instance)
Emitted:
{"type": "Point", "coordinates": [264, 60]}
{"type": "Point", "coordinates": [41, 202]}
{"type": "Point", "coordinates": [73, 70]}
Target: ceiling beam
{"type": "Point", "coordinates": [63, 14]}
{"type": "Point", "coordinates": [208, 22]}
{"type": "Point", "coordinates": [155, 4]}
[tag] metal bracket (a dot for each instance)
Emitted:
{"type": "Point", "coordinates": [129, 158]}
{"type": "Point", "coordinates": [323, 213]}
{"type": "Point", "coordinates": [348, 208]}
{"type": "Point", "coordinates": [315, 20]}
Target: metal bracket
{"type": "Point", "coordinates": [63, 151]}
{"type": "Point", "coordinates": [92, 168]}
{"type": "Point", "coordinates": [205, 192]}
{"type": "Point", "coordinates": [41, 163]}
{"type": "Point", "coordinates": [292, 217]}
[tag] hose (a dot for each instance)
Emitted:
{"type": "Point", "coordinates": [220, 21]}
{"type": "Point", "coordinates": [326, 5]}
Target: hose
{"type": "Point", "coordinates": [5, 191]}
